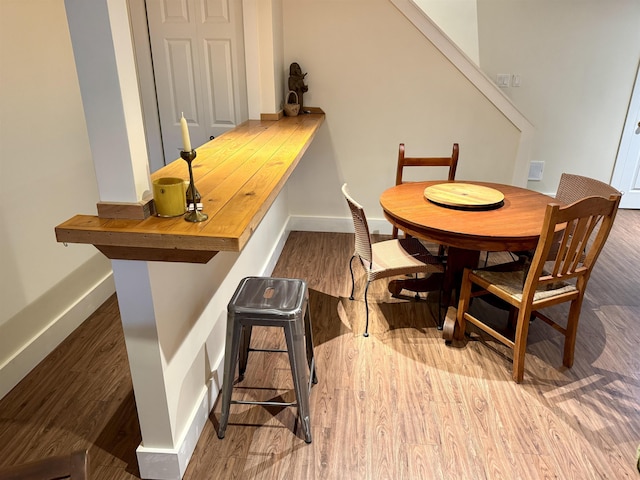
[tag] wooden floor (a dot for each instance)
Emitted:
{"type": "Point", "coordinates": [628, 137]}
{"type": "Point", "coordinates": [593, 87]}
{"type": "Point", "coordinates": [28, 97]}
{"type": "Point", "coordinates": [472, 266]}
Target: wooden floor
{"type": "Point", "coordinates": [397, 405]}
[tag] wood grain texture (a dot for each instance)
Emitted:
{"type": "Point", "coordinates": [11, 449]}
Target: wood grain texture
{"type": "Point", "coordinates": [399, 404]}
{"type": "Point", "coordinates": [239, 175]}
{"type": "Point", "coordinates": [136, 211]}
{"type": "Point", "coordinates": [463, 195]}
{"type": "Point", "coordinates": [514, 226]}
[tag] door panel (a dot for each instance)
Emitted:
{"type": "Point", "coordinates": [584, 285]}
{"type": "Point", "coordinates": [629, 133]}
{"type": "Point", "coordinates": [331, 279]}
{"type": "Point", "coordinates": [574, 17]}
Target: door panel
{"type": "Point", "coordinates": [198, 59]}
{"type": "Point", "coordinates": [174, 11]}
{"type": "Point", "coordinates": [216, 11]}
{"type": "Point", "coordinates": [220, 83]}
{"type": "Point", "coordinates": [626, 173]}
{"type": "Point", "coordinates": [181, 82]}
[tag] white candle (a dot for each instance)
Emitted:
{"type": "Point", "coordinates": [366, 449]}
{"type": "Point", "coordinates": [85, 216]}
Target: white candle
{"type": "Point", "coordinates": [186, 141]}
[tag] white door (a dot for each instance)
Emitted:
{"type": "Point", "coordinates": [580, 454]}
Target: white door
{"type": "Point", "coordinates": [626, 173]}
{"type": "Point", "coordinates": [198, 61]}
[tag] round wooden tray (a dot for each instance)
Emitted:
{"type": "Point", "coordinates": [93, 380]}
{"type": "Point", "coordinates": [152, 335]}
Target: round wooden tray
{"type": "Point", "coordinates": [464, 196]}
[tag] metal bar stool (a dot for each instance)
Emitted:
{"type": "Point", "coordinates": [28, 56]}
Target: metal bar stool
{"type": "Point", "coordinates": [270, 302]}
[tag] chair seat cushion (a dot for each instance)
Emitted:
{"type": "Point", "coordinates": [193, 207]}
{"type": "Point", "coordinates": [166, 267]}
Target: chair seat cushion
{"type": "Point", "coordinates": [512, 283]}
{"type": "Point", "coordinates": [405, 255]}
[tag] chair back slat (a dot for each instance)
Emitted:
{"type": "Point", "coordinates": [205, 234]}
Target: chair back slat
{"type": "Point", "coordinates": [361, 227]}
{"type": "Point", "coordinates": [582, 234]}
{"type": "Point", "coordinates": [574, 244]}
{"type": "Point", "coordinates": [451, 162]}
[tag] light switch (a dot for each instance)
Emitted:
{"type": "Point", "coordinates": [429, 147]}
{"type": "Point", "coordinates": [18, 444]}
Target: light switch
{"type": "Point", "coordinates": [502, 79]}
{"type": "Point", "coordinates": [515, 80]}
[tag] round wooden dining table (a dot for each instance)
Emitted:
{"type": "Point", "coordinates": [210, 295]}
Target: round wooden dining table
{"type": "Point", "coordinates": [513, 225]}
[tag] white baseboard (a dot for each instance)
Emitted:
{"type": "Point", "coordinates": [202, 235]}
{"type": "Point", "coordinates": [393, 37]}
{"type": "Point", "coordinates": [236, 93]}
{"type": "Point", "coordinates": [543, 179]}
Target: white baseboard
{"type": "Point", "coordinates": [58, 326]}
{"type": "Point", "coordinates": [277, 250]}
{"type": "Point", "coordinates": [335, 224]}
{"type": "Point", "coordinates": [171, 463]}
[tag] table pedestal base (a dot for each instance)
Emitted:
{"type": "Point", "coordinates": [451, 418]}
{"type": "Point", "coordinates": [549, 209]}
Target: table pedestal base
{"type": "Point", "coordinates": [457, 260]}
{"type": "Point", "coordinates": [449, 326]}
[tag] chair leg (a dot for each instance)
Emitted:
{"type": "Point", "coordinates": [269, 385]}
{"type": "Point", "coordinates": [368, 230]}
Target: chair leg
{"type": "Point", "coordinates": [463, 305]}
{"type": "Point", "coordinates": [245, 342]}
{"type": "Point", "coordinates": [309, 344]}
{"type": "Point", "coordinates": [571, 332]}
{"type": "Point", "coordinates": [520, 343]}
{"type": "Point", "coordinates": [366, 306]}
{"type": "Point", "coordinates": [232, 348]}
{"type": "Point", "coordinates": [295, 338]}
{"type": "Point", "coordinates": [353, 283]}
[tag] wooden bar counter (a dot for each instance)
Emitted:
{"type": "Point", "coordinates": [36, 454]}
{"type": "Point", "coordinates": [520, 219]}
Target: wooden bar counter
{"type": "Point", "coordinates": [239, 175]}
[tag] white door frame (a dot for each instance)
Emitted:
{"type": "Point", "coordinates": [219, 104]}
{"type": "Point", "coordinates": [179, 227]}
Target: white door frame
{"type": "Point", "coordinates": [146, 83]}
{"type": "Point", "coordinates": [626, 172]}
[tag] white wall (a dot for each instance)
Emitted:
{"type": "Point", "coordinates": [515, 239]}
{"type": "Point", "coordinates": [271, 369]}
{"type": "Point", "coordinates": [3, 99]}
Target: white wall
{"type": "Point", "coordinates": [381, 83]}
{"type": "Point", "coordinates": [47, 177]}
{"type": "Point", "coordinates": [459, 21]}
{"type": "Point", "coordinates": [577, 60]}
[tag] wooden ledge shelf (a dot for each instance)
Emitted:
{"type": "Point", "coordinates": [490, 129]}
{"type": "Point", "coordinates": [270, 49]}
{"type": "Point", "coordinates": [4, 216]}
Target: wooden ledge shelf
{"type": "Point", "coordinates": [239, 175]}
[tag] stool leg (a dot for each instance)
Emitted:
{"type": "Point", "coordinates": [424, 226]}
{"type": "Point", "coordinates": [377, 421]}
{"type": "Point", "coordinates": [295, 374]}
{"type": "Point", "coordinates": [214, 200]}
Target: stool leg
{"type": "Point", "coordinates": [231, 349]}
{"type": "Point", "coordinates": [295, 337]}
{"type": "Point", "coordinates": [308, 334]}
{"type": "Point", "coordinates": [245, 341]}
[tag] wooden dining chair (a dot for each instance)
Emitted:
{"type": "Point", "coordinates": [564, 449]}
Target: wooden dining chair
{"type": "Point", "coordinates": [404, 162]}
{"type": "Point", "coordinates": [74, 466]}
{"type": "Point", "coordinates": [548, 280]}
{"type": "Point", "coordinates": [387, 258]}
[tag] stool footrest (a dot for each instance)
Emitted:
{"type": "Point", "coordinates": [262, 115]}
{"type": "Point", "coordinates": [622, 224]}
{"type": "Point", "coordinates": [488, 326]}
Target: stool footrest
{"type": "Point", "coordinates": [273, 350]}
{"type": "Point", "coordinates": [254, 402]}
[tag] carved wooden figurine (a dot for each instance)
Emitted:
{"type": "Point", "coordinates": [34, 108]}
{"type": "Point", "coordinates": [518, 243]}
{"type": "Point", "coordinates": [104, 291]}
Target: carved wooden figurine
{"type": "Point", "coordinates": [296, 83]}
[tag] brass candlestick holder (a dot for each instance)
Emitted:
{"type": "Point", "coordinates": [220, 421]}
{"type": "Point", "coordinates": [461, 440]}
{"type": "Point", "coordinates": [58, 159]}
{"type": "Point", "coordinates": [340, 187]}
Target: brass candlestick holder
{"type": "Point", "coordinates": [192, 194]}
